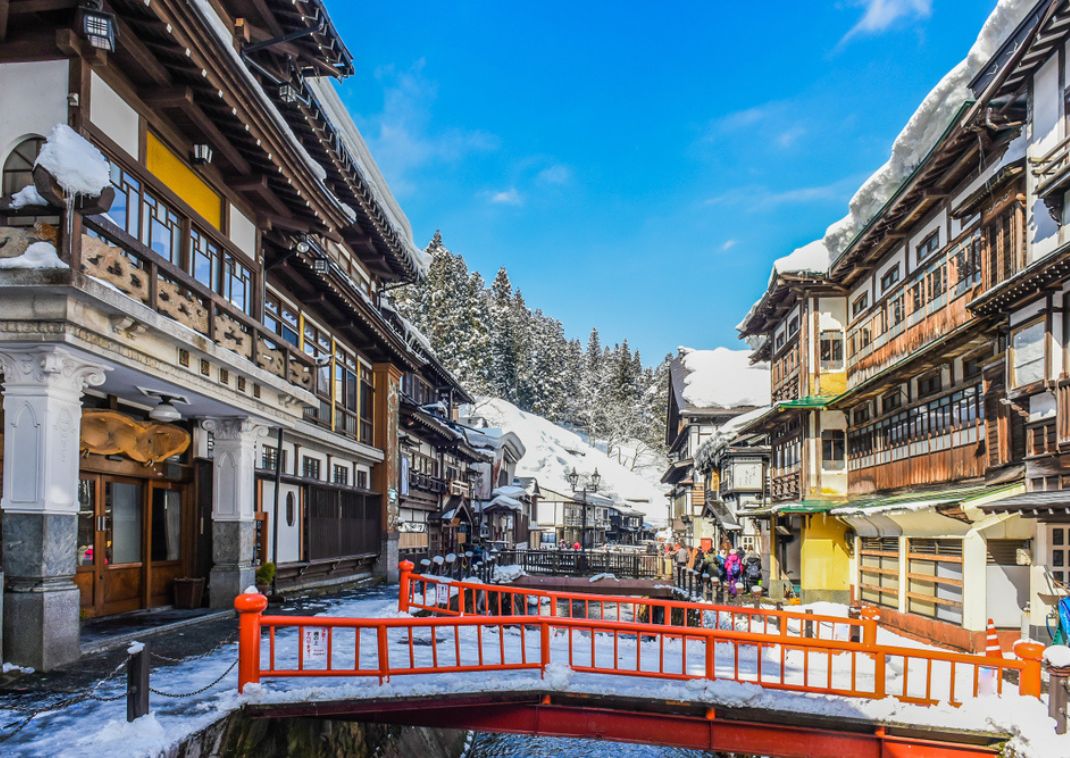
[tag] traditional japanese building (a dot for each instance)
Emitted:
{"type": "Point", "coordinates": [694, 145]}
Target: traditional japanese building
{"type": "Point", "coordinates": [799, 326]}
{"type": "Point", "coordinates": [195, 241]}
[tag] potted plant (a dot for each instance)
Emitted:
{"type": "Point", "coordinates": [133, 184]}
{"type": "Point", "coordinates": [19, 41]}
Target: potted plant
{"type": "Point", "coordinates": [265, 576]}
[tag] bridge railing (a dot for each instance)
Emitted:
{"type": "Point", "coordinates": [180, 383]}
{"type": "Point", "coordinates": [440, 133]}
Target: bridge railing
{"type": "Point", "coordinates": [321, 646]}
{"type": "Point", "coordinates": [628, 564]}
{"type": "Point", "coordinates": [447, 597]}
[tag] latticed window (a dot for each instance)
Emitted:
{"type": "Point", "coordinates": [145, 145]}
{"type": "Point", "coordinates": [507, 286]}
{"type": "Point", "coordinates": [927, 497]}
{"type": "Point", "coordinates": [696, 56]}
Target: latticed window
{"type": "Point", "coordinates": [935, 579]}
{"type": "Point", "coordinates": [204, 259]}
{"type": "Point", "coordinates": [18, 168]}
{"type": "Point", "coordinates": [237, 284]}
{"type": "Point", "coordinates": [280, 318]}
{"type": "Point", "coordinates": [1060, 554]}
{"type": "Point", "coordinates": [367, 398]}
{"type": "Point", "coordinates": [160, 228]}
{"type": "Point", "coordinates": [878, 570]}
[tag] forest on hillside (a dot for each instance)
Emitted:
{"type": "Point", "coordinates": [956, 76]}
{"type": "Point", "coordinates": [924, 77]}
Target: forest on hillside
{"type": "Point", "coordinates": [498, 346]}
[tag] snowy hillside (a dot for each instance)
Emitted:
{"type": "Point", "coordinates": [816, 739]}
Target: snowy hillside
{"type": "Point", "coordinates": [553, 451]}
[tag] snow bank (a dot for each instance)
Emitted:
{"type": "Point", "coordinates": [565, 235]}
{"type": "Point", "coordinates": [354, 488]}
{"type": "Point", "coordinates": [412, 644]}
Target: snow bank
{"type": "Point", "coordinates": [76, 164]}
{"type": "Point", "coordinates": [27, 196]}
{"type": "Point", "coordinates": [1058, 656]}
{"type": "Point", "coordinates": [600, 577]}
{"type": "Point", "coordinates": [39, 255]}
{"type": "Point", "coordinates": [552, 451]}
{"type": "Point", "coordinates": [724, 378]}
{"type": "Point", "coordinates": [508, 573]}
{"type": "Point", "coordinates": [923, 129]}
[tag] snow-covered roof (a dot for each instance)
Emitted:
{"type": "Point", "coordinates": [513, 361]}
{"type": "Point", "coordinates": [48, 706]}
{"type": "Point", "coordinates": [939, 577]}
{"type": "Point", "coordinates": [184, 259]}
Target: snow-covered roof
{"type": "Point", "coordinates": [811, 258]}
{"type": "Point", "coordinates": [725, 435]}
{"type": "Point", "coordinates": [510, 490]}
{"type": "Point", "coordinates": [326, 94]}
{"type": "Point", "coordinates": [722, 378]}
{"type": "Point", "coordinates": [925, 126]}
{"type": "Point", "coordinates": [552, 452]}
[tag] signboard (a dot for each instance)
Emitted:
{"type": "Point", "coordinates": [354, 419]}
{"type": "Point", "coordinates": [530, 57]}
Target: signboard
{"type": "Point", "coordinates": [314, 643]}
{"type": "Point", "coordinates": [442, 594]}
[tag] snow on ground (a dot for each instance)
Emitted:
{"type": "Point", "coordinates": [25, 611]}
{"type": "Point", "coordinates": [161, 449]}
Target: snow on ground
{"type": "Point", "coordinates": [101, 726]}
{"type": "Point", "coordinates": [724, 378]}
{"type": "Point", "coordinates": [925, 126]}
{"type": "Point", "coordinates": [78, 166]}
{"type": "Point", "coordinates": [553, 451]}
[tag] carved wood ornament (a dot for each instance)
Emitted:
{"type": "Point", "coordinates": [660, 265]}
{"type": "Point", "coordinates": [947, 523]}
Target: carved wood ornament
{"type": "Point", "coordinates": [113, 433]}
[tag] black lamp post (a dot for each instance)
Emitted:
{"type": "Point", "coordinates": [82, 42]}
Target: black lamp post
{"type": "Point", "coordinates": [594, 480]}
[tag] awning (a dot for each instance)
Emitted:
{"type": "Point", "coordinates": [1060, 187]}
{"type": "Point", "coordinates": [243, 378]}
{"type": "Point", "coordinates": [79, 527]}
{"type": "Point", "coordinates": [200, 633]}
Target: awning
{"type": "Point", "coordinates": [921, 500]}
{"type": "Point", "coordinates": [1042, 505]}
{"type": "Point", "coordinates": [810, 402]}
{"type": "Point", "coordinates": [951, 512]}
{"type": "Point", "coordinates": [808, 506]}
{"type": "Point", "coordinates": [724, 517]}
{"type": "Point", "coordinates": [677, 471]}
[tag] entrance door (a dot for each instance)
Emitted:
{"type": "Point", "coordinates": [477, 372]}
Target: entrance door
{"type": "Point", "coordinates": [164, 541]}
{"type": "Point", "coordinates": [111, 544]}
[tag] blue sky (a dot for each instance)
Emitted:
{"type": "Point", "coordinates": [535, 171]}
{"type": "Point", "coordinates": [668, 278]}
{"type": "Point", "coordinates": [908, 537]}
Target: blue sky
{"type": "Point", "coordinates": [637, 166]}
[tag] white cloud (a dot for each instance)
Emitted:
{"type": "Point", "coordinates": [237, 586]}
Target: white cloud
{"type": "Point", "coordinates": [402, 137]}
{"type": "Point", "coordinates": [762, 198]}
{"type": "Point", "coordinates": [728, 245]}
{"type": "Point", "coordinates": [882, 14]}
{"type": "Point", "coordinates": [557, 174]}
{"type": "Point", "coordinates": [506, 197]}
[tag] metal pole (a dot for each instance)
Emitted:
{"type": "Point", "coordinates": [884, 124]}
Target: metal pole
{"type": "Point", "coordinates": [137, 683]}
{"type": "Point", "coordinates": [275, 512]}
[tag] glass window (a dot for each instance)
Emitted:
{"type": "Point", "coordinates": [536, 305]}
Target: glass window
{"type": "Point", "coordinates": [204, 259]}
{"type": "Point", "coordinates": [280, 318]}
{"type": "Point", "coordinates": [122, 511]}
{"type": "Point", "coordinates": [367, 397]}
{"type": "Point", "coordinates": [166, 525]}
{"type": "Point", "coordinates": [310, 467]}
{"type": "Point", "coordinates": [160, 228]}
{"type": "Point", "coordinates": [18, 168]}
{"type": "Point", "coordinates": [87, 521]}
{"type": "Point", "coordinates": [1028, 354]}
{"type": "Point", "coordinates": [890, 277]}
{"type": "Point", "coordinates": [833, 450]}
{"type": "Point", "coordinates": [237, 284]}
{"type": "Point", "coordinates": [928, 246]}
{"type": "Point", "coordinates": [124, 211]}
{"type": "Point", "coordinates": [832, 350]}
{"type": "Point", "coordinates": [341, 474]}
{"type": "Point", "coordinates": [860, 304]}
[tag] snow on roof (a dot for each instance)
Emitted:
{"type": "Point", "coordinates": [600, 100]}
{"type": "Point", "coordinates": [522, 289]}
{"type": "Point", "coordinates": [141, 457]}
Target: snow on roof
{"type": "Point", "coordinates": [510, 490]}
{"type": "Point", "coordinates": [338, 114]}
{"type": "Point", "coordinates": [78, 166]}
{"type": "Point", "coordinates": [723, 378]}
{"type": "Point", "coordinates": [812, 257]}
{"type": "Point", "coordinates": [505, 501]}
{"type": "Point", "coordinates": [925, 126]}
{"type": "Point", "coordinates": [725, 435]}
{"type": "Point", "coordinates": [27, 196]}
{"type": "Point", "coordinates": [548, 458]}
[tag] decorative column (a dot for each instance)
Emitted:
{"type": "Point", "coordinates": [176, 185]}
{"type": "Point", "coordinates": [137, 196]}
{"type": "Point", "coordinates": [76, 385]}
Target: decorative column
{"type": "Point", "coordinates": [385, 476]}
{"type": "Point", "coordinates": [43, 388]}
{"type": "Point", "coordinates": [233, 506]}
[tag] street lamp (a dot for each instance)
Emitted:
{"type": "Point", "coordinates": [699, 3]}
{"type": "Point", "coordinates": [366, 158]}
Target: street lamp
{"type": "Point", "coordinates": [593, 480]}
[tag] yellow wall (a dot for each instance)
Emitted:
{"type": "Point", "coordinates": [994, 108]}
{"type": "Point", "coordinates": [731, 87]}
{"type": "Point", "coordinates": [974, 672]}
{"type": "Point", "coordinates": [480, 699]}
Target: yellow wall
{"type": "Point", "coordinates": [825, 563]}
{"type": "Point", "coordinates": [831, 383]}
{"type": "Point", "coordinates": [181, 180]}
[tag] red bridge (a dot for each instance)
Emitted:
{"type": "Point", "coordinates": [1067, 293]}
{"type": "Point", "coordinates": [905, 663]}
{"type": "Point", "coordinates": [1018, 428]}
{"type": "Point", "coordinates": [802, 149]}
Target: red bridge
{"type": "Point", "coordinates": [609, 641]}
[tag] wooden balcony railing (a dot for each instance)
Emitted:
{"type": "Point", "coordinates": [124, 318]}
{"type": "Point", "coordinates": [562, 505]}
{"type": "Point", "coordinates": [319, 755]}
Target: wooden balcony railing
{"type": "Point", "coordinates": [784, 484]}
{"type": "Point", "coordinates": [787, 388]}
{"type": "Point", "coordinates": [460, 488]}
{"type": "Point", "coordinates": [426, 482]}
{"type": "Point", "coordinates": [1051, 167]}
{"type": "Point", "coordinates": [1062, 412]}
{"type": "Point", "coordinates": [120, 261]}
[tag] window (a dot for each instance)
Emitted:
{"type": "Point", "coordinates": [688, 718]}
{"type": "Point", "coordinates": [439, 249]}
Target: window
{"type": "Point", "coordinates": [917, 296]}
{"type": "Point", "coordinates": [362, 479]}
{"type": "Point", "coordinates": [269, 458]}
{"type": "Point", "coordinates": [934, 579]}
{"type": "Point", "coordinates": [203, 259]}
{"type": "Point", "coordinates": [890, 277]}
{"type": "Point", "coordinates": [291, 509]}
{"type": "Point", "coordinates": [160, 228]}
{"type": "Point", "coordinates": [860, 304]}
{"type": "Point", "coordinates": [891, 401]}
{"type": "Point", "coordinates": [1060, 554]}
{"type": "Point", "coordinates": [341, 474]}
{"type": "Point", "coordinates": [929, 384]}
{"type": "Point", "coordinates": [318, 346]}
{"type": "Point", "coordinates": [928, 246]}
{"type": "Point", "coordinates": [878, 569]}
{"type": "Point", "coordinates": [367, 396]}
{"type": "Point", "coordinates": [310, 467]}
{"type": "Point", "coordinates": [280, 318]}
{"type": "Point", "coordinates": [833, 450]}
{"type": "Point", "coordinates": [1028, 353]}
{"type": "Point", "coordinates": [968, 263]}
{"type": "Point", "coordinates": [893, 312]}
{"type": "Point", "coordinates": [124, 211]}
{"type": "Point", "coordinates": [18, 168]}
{"type": "Point", "coordinates": [793, 326]}
{"type": "Point", "coordinates": [237, 284]}
{"type": "Point", "coordinates": [937, 282]}
{"type": "Point", "coordinates": [832, 350]}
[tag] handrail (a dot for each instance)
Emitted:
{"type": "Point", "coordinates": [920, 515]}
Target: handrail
{"type": "Point", "coordinates": [478, 643]}
{"type": "Point", "coordinates": [474, 598]}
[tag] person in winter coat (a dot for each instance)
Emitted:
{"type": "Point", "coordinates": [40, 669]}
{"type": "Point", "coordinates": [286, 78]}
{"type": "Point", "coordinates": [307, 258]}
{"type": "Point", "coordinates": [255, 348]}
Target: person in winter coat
{"type": "Point", "coordinates": [752, 570]}
{"type": "Point", "coordinates": [681, 555]}
{"type": "Point", "coordinates": [733, 568]}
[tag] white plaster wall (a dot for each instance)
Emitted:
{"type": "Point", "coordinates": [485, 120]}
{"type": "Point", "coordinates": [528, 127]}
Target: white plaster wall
{"type": "Point", "coordinates": [833, 312]}
{"type": "Point", "coordinates": [242, 231]}
{"type": "Point", "coordinates": [1046, 130]}
{"type": "Point", "coordinates": [289, 536]}
{"type": "Point", "coordinates": [114, 117]}
{"type": "Point", "coordinates": [896, 258]}
{"type": "Point", "coordinates": [1024, 314]}
{"type": "Point", "coordinates": [936, 223]}
{"type": "Point", "coordinates": [35, 100]}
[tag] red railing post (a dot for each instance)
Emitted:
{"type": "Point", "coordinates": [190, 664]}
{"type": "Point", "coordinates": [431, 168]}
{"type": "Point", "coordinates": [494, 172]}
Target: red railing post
{"type": "Point", "coordinates": [404, 581]}
{"type": "Point", "coordinates": [869, 625]}
{"type": "Point", "coordinates": [249, 606]}
{"type": "Point", "coordinates": [544, 645]}
{"type": "Point", "coordinates": [384, 654]}
{"type": "Point", "coordinates": [711, 657]}
{"type": "Point", "coordinates": [1031, 653]}
{"type": "Point", "coordinates": [879, 676]}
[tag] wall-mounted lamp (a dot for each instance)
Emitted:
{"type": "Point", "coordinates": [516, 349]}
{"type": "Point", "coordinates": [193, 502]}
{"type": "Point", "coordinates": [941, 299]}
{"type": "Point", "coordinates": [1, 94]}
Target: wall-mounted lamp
{"type": "Point", "coordinates": [164, 411]}
{"type": "Point", "coordinates": [288, 94]}
{"type": "Point", "coordinates": [202, 153]}
{"type": "Point", "coordinates": [97, 25]}
{"type": "Point", "coordinates": [321, 265]}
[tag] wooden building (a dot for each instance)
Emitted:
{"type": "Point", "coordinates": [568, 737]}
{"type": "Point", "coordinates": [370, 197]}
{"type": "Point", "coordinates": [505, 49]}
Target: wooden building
{"type": "Point", "coordinates": [210, 348]}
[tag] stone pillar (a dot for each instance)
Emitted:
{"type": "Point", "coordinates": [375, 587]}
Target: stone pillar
{"type": "Point", "coordinates": [43, 387]}
{"type": "Point", "coordinates": [387, 380]}
{"type": "Point", "coordinates": [233, 507]}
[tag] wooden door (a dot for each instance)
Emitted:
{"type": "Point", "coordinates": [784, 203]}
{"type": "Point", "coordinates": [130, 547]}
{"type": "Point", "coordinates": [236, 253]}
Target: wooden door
{"type": "Point", "coordinates": [88, 576]}
{"type": "Point", "coordinates": [167, 540]}
{"type": "Point", "coordinates": [123, 573]}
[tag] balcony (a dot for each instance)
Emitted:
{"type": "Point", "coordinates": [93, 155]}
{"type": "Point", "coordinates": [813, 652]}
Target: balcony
{"type": "Point", "coordinates": [1052, 170]}
{"type": "Point", "coordinates": [119, 261]}
{"type": "Point", "coordinates": [427, 482]}
{"type": "Point", "coordinates": [460, 488]}
{"type": "Point", "coordinates": [784, 484]}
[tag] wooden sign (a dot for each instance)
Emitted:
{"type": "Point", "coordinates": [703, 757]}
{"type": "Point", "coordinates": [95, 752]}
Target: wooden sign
{"type": "Point", "coordinates": [113, 433]}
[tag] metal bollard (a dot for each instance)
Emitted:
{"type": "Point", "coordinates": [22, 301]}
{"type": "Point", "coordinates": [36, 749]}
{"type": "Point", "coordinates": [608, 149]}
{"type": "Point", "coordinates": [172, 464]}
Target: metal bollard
{"type": "Point", "coordinates": [1057, 695]}
{"type": "Point", "coordinates": [808, 625]}
{"type": "Point", "coordinates": [137, 681]}
{"type": "Point", "coordinates": [756, 593]}
{"type": "Point", "coordinates": [705, 585]}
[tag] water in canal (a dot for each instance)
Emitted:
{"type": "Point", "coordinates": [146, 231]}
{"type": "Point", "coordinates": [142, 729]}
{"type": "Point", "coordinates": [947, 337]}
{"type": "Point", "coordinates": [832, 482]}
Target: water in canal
{"type": "Point", "coordinates": [485, 745]}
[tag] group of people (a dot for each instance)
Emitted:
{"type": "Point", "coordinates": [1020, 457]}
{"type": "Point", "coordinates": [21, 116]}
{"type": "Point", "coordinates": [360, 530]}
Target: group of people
{"type": "Point", "coordinates": [733, 568]}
